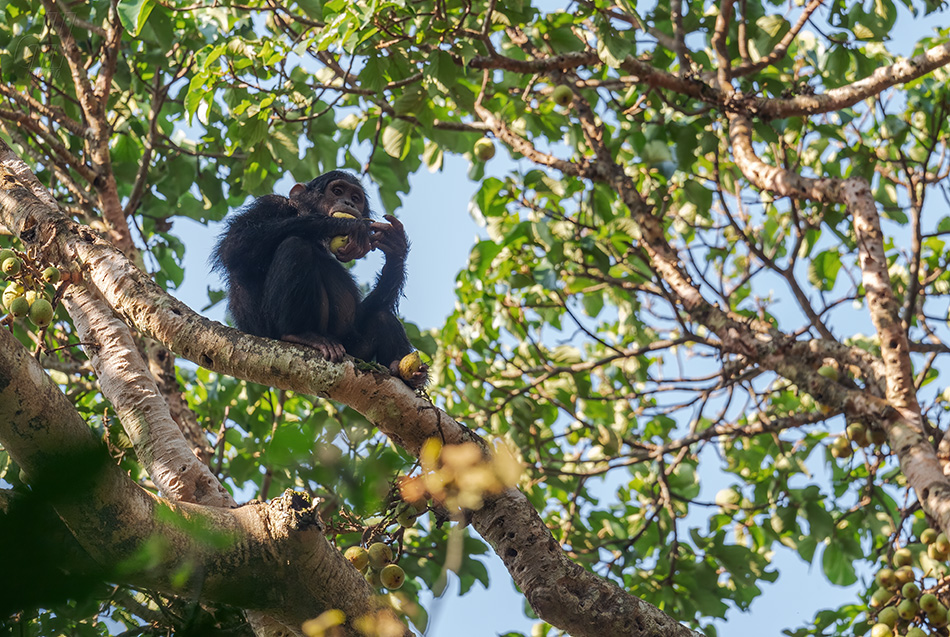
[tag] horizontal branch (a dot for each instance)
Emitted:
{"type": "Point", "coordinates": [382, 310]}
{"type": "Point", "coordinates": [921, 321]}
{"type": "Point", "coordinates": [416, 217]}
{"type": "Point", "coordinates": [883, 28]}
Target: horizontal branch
{"type": "Point", "coordinates": [507, 520]}
{"type": "Point", "coordinates": [836, 99]}
{"type": "Point", "coordinates": [259, 556]}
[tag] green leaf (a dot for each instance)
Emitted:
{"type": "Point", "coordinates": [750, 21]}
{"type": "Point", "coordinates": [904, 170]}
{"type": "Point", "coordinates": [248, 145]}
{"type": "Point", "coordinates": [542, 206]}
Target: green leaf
{"type": "Point", "coordinates": [823, 269]}
{"type": "Point", "coordinates": [134, 13]}
{"type": "Point", "coordinates": [838, 566]}
{"type": "Point", "coordinates": [396, 138]}
{"type": "Point", "coordinates": [656, 151]}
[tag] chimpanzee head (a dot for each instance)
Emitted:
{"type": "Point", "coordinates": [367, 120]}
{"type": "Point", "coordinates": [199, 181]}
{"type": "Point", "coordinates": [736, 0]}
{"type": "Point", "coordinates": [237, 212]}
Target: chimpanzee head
{"type": "Point", "coordinates": [335, 191]}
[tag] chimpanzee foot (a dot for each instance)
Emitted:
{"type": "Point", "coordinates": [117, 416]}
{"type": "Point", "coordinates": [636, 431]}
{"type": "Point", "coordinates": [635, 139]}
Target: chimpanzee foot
{"type": "Point", "coordinates": [327, 347]}
{"type": "Point", "coordinates": [411, 370]}
{"type": "Point", "coordinates": [420, 379]}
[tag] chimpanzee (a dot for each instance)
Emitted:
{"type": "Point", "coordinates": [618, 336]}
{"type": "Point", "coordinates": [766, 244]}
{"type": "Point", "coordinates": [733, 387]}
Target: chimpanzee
{"type": "Point", "coordinates": [285, 282]}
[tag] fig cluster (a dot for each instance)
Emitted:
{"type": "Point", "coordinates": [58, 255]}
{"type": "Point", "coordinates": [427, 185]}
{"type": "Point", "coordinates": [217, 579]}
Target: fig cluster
{"type": "Point", "coordinates": [857, 435]}
{"type": "Point", "coordinates": [376, 563]}
{"type": "Point", "coordinates": [900, 604]}
{"type": "Point", "coordinates": [26, 293]}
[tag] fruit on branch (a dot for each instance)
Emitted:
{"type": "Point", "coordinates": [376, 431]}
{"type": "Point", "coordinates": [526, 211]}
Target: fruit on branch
{"type": "Point", "coordinates": [902, 557]}
{"type": "Point", "coordinates": [379, 555]}
{"type": "Point", "coordinates": [562, 95]}
{"type": "Point", "coordinates": [41, 313]}
{"type": "Point", "coordinates": [392, 576]}
{"type": "Point", "coordinates": [52, 275]}
{"type": "Point", "coordinates": [484, 149]}
{"type": "Point", "coordinates": [358, 557]}
{"type": "Point", "coordinates": [11, 266]}
{"type": "Point", "coordinates": [19, 306]}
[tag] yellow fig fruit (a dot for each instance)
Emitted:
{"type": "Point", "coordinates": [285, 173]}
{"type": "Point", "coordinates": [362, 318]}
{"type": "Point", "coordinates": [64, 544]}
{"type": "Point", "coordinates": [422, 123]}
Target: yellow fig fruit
{"type": "Point", "coordinates": [562, 95]}
{"type": "Point", "coordinates": [11, 292]}
{"type": "Point", "coordinates": [337, 243]}
{"type": "Point", "coordinates": [379, 555]}
{"type": "Point", "coordinates": [881, 630]}
{"type": "Point", "coordinates": [358, 557]}
{"type": "Point", "coordinates": [409, 365]}
{"type": "Point", "coordinates": [392, 576]}
{"type": "Point", "coordinates": [484, 149]}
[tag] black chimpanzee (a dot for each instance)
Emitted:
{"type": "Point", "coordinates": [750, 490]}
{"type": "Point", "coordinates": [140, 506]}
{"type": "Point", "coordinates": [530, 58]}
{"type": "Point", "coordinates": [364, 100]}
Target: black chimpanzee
{"type": "Point", "coordinates": [284, 281]}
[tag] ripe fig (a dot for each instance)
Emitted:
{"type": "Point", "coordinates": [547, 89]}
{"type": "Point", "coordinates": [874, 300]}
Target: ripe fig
{"type": "Point", "coordinates": [484, 149]}
{"type": "Point", "coordinates": [358, 557]}
{"type": "Point", "coordinates": [41, 313]}
{"type": "Point", "coordinates": [409, 365]}
{"type": "Point", "coordinates": [392, 576]}
{"type": "Point", "coordinates": [379, 555]}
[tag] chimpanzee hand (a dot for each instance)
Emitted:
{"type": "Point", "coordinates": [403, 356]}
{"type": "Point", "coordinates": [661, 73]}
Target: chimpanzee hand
{"type": "Point", "coordinates": [390, 237]}
{"type": "Point", "coordinates": [359, 243]}
{"type": "Point", "coordinates": [328, 348]}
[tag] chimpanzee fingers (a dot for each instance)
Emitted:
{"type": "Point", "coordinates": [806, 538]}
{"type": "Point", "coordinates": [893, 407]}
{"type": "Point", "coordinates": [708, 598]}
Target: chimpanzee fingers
{"type": "Point", "coordinates": [416, 380]}
{"type": "Point", "coordinates": [420, 378]}
{"type": "Point", "coordinates": [396, 223]}
{"type": "Point", "coordinates": [389, 238]}
{"type": "Point", "coordinates": [330, 350]}
{"type": "Point", "coordinates": [353, 250]}
{"type": "Point", "coordinates": [326, 347]}
{"type": "Point", "coordinates": [388, 246]}
{"type": "Point", "coordinates": [337, 352]}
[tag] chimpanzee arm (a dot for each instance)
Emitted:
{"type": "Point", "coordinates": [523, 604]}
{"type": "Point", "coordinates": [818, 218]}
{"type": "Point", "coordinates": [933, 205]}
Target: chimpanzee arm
{"type": "Point", "coordinates": [391, 239]}
{"type": "Point", "coordinates": [253, 235]}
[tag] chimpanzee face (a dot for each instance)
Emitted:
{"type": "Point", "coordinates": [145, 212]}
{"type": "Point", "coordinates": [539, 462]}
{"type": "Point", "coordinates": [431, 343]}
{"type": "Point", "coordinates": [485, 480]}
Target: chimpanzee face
{"type": "Point", "coordinates": [335, 191]}
{"type": "Point", "coordinates": [342, 195]}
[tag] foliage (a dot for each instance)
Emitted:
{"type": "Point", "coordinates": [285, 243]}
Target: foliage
{"type": "Point", "coordinates": [629, 406]}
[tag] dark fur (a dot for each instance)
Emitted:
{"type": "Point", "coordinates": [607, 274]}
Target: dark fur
{"type": "Point", "coordinates": [284, 283]}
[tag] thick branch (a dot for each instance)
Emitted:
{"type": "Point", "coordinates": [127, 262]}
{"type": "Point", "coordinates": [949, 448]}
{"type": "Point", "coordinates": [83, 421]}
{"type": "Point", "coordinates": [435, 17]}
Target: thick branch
{"type": "Point", "coordinates": [836, 99]}
{"type": "Point", "coordinates": [905, 430]}
{"type": "Point", "coordinates": [273, 557]}
{"type": "Point", "coordinates": [550, 580]}
{"type": "Point", "coordinates": [127, 383]}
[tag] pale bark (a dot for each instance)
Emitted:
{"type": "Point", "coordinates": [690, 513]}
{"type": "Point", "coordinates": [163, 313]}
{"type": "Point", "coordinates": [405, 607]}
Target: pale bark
{"type": "Point", "coordinates": [550, 580]}
{"type": "Point", "coordinates": [127, 384]}
{"type": "Point", "coordinates": [269, 557]}
{"type": "Point", "coordinates": [900, 415]}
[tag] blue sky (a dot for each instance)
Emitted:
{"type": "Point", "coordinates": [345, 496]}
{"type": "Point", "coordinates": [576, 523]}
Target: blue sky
{"type": "Point", "coordinates": [436, 217]}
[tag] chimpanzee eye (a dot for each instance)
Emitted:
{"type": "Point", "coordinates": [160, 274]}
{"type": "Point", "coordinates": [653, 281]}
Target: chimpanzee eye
{"type": "Point", "coordinates": [338, 191]}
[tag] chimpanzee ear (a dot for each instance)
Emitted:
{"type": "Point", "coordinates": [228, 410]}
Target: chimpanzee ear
{"type": "Point", "coordinates": [297, 190]}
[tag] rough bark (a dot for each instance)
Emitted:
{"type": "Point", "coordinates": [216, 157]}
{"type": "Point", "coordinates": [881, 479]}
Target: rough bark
{"type": "Point", "coordinates": [540, 567]}
{"type": "Point", "coordinates": [270, 557]}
